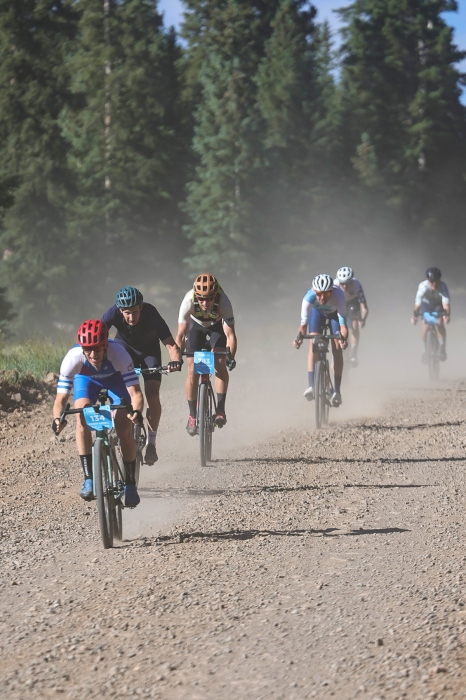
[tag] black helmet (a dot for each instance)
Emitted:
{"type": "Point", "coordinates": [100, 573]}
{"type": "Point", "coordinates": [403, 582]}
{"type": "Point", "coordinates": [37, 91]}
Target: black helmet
{"type": "Point", "coordinates": [433, 274]}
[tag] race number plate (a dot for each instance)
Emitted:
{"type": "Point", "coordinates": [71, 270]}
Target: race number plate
{"type": "Point", "coordinates": [99, 421]}
{"type": "Point", "coordinates": [204, 363]}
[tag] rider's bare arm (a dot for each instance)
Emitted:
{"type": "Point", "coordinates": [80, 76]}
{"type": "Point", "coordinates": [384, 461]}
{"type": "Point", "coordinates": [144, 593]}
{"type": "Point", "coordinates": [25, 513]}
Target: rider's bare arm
{"type": "Point", "coordinates": [181, 335]}
{"type": "Point", "coordinates": [59, 404]}
{"type": "Point", "coordinates": [137, 401]}
{"type": "Point", "coordinates": [173, 349]}
{"type": "Point", "coordinates": [231, 338]}
{"type": "Point", "coordinates": [364, 312]}
{"type": "Point", "coordinates": [446, 308]}
{"type": "Point", "coordinates": [302, 330]}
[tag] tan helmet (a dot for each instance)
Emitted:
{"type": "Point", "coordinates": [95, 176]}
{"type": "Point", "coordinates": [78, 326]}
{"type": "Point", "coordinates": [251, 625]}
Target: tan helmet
{"type": "Point", "coordinates": [205, 285]}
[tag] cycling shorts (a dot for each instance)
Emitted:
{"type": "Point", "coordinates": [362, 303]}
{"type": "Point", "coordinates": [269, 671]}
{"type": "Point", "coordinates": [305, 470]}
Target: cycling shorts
{"type": "Point", "coordinates": [144, 362]}
{"type": "Point", "coordinates": [201, 338]}
{"type": "Point", "coordinates": [353, 309]}
{"type": "Point", "coordinates": [85, 387]}
{"type": "Point", "coordinates": [317, 321]}
{"type": "Point", "coordinates": [431, 312]}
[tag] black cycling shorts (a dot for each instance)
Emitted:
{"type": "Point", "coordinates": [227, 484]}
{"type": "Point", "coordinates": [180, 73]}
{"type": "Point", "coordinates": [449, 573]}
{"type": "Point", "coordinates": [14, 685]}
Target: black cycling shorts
{"type": "Point", "coordinates": [144, 362]}
{"type": "Point", "coordinates": [201, 338]}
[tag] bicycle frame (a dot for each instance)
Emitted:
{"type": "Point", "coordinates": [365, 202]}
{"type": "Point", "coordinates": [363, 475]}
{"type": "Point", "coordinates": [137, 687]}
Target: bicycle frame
{"type": "Point", "coordinates": [107, 465]}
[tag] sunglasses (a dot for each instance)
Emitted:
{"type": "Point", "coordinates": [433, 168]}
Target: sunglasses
{"type": "Point", "coordinates": [209, 298]}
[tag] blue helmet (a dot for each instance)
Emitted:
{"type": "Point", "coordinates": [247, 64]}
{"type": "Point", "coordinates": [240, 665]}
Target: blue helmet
{"type": "Point", "coordinates": [128, 297]}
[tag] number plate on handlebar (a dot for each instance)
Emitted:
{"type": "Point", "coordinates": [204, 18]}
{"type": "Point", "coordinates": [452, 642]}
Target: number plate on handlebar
{"type": "Point", "coordinates": [98, 421]}
{"type": "Point", "coordinates": [204, 363]}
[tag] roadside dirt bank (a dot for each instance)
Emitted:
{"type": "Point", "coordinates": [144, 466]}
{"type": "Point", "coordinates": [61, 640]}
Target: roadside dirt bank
{"type": "Point", "coordinates": [322, 565]}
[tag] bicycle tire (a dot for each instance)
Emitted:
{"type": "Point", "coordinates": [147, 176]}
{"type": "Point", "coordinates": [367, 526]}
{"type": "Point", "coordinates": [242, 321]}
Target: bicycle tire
{"type": "Point", "coordinates": [205, 438]}
{"type": "Point", "coordinates": [319, 392]}
{"type": "Point", "coordinates": [326, 392]}
{"type": "Point", "coordinates": [139, 440]}
{"type": "Point", "coordinates": [432, 354]}
{"type": "Point", "coordinates": [103, 493]}
{"type": "Point", "coordinates": [210, 424]}
{"type": "Point", "coordinates": [117, 512]}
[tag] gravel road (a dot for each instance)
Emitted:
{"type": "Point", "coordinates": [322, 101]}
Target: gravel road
{"type": "Point", "coordinates": [303, 565]}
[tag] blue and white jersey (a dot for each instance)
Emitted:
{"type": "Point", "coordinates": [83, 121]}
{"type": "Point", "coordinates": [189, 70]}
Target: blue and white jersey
{"type": "Point", "coordinates": [336, 303]}
{"type": "Point", "coordinates": [432, 297]}
{"type": "Point", "coordinates": [118, 361]}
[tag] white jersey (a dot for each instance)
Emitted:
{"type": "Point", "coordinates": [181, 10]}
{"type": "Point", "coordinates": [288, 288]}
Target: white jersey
{"type": "Point", "coordinates": [432, 297]}
{"type": "Point", "coordinates": [223, 311]}
{"type": "Point", "coordinates": [117, 361]}
{"type": "Point", "coordinates": [353, 289]}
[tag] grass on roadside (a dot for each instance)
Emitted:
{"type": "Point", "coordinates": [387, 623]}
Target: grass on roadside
{"type": "Point", "coordinates": [35, 357]}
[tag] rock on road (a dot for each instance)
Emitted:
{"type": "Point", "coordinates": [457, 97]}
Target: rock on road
{"type": "Point", "coordinates": [322, 565]}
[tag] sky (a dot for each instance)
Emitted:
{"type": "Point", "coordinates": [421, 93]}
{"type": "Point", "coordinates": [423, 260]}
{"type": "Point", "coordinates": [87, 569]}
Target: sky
{"type": "Point", "coordinates": [173, 10]}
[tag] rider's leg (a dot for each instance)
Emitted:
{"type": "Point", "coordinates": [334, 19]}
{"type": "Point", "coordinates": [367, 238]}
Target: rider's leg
{"type": "Point", "coordinates": [354, 338]}
{"type": "Point", "coordinates": [441, 332]}
{"type": "Point", "coordinates": [84, 439]}
{"type": "Point", "coordinates": [221, 382]}
{"type": "Point", "coordinates": [192, 381]}
{"type": "Point", "coordinates": [337, 364]}
{"type": "Point", "coordinates": [154, 407]}
{"type": "Point", "coordinates": [124, 429]}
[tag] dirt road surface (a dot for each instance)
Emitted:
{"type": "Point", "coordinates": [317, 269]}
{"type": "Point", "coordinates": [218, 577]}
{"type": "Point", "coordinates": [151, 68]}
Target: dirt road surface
{"type": "Point", "coordinates": [301, 564]}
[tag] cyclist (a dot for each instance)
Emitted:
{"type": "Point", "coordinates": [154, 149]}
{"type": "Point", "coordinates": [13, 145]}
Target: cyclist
{"type": "Point", "coordinates": [324, 301]}
{"type": "Point", "coordinates": [93, 364]}
{"type": "Point", "coordinates": [356, 307]}
{"type": "Point", "coordinates": [433, 304]}
{"type": "Point", "coordinates": [140, 328]}
{"type": "Point", "coordinates": [206, 314]}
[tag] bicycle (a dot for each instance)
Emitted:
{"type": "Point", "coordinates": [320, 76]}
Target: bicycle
{"type": "Point", "coordinates": [432, 352]}
{"type": "Point", "coordinates": [323, 386]}
{"type": "Point", "coordinates": [139, 431]}
{"type": "Point", "coordinates": [204, 365]}
{"type": "Point", "coordinates": [108, 470]}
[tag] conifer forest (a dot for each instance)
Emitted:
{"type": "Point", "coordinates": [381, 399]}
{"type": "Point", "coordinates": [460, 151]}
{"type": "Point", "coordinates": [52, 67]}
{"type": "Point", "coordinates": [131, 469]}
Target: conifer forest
{"type": "Point", "coordinates": [134, 155]}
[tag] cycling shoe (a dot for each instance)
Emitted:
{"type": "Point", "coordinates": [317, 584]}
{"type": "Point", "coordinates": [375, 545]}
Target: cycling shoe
{"type": "Point", "coordinates": [309, 393]}
{"type": "Point", "coordinates": [191, 426]}
{"type": "Point", "coordinates": [220, 419]}
{"type": "Point", "coordinates": [150, 455]}
{"type": "Point", "coordinates": [87, 491]}
{"type": "Point", "coordinates": [131, 496]}
{"type": "Point", "coordinates": [336, 399]}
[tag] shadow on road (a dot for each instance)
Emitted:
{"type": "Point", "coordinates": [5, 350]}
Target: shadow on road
{"type": "Point", "coordinates": [251, 534]}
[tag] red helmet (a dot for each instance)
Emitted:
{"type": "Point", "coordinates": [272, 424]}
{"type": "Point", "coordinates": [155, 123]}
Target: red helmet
{"type": "Point", "coordinates": [92, 334]}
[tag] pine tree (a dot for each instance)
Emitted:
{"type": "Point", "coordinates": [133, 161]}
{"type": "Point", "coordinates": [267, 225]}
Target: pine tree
{"type": "Point", "coordinates": [224, 197]}
{"type": "Point", "coordinates": [123, 132]}
{"type": "Point", "coordinates": [402, 91]}
{"type": "Point", "coordinates": [34, 173]}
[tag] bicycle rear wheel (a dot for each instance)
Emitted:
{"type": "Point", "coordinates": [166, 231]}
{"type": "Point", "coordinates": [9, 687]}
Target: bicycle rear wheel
{"type": "Point", "coordinates": [205, 424]}
{"type": "Point", "coordinates": [103, 492]}
{"type": "Point", "coordinates": [432, 354]}
{"type": "Point", "coordinates": [319, 392]}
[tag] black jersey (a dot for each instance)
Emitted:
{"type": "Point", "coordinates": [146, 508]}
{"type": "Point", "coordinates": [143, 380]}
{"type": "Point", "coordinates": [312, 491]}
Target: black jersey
{"type": "Point", "coordinates": [144, 337]}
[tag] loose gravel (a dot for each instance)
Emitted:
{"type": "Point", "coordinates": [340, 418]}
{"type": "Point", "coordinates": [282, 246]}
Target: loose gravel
{"type": "Point", "coordinates": [316, 565]}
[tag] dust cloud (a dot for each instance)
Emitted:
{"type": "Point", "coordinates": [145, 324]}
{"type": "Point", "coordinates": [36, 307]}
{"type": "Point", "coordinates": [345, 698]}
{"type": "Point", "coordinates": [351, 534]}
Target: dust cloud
{"type": "Point", "coordinates": [265, 397]}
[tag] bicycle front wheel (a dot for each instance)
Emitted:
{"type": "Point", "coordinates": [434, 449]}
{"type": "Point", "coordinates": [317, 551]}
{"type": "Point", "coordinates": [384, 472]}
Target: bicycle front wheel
{"type": "Point", "coordinates": [140, 443]}
{"type": "Point", "coordinates": [432, 354]}
{"type": "Point", "coordinates": [103, 492]}
{"type": "Point", "coordinates": [319, 392]}
{"type": "Point", "coordinates": [205, 425]}
{"type": "Point", "coordinates": [327, 392]}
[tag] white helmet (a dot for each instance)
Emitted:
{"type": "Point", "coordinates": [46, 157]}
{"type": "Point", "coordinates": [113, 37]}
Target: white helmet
{"type": "Point", "coordinates": [345, 274]}
{"type": "Point", "coordinates": [322, 283]}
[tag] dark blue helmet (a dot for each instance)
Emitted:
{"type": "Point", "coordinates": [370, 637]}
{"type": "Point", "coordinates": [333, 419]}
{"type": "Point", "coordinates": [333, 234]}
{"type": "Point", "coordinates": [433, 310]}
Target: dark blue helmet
{"type": "Point", "coordinates": [128, 297]}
